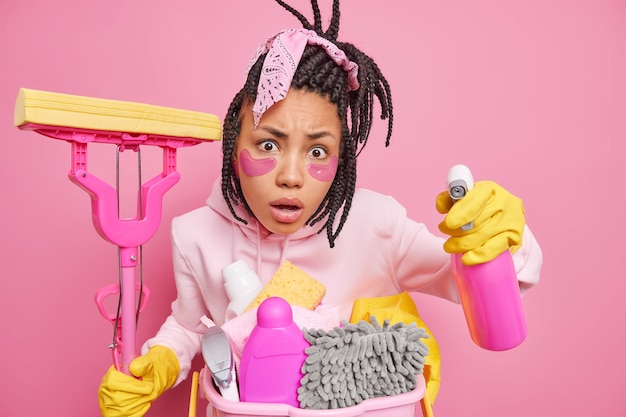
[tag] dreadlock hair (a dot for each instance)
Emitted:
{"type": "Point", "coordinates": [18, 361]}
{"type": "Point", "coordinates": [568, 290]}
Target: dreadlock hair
{"type": "Point", "coordinates": [317, 73]}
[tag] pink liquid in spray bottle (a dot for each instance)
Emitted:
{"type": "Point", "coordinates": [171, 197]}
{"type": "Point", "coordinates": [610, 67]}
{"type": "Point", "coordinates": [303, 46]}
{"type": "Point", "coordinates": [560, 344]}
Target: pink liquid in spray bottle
{"type": "Point", "coordinates": [489, 292]}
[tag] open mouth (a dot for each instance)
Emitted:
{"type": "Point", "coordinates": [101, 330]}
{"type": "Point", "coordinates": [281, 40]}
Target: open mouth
{"type": "Point", "coordinates": [286, 207]}
{"type": "Point", "coordinates": [287, 210]}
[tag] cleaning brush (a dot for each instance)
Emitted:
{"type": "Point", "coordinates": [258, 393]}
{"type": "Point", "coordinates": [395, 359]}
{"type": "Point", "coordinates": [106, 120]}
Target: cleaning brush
{"type": "Point", "coordinates": [349, 364]}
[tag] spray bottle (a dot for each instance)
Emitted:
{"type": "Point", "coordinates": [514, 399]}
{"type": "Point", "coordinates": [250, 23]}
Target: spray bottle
{"type": "Point", "coordinates": [489, 292]}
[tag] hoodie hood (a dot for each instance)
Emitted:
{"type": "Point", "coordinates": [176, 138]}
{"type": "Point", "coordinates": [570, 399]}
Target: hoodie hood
{"type": "Point", "coordinates": [253, 230]}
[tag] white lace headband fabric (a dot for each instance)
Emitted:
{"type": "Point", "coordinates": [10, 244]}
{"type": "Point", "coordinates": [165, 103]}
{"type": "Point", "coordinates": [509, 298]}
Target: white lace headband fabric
{"type": "Point", "coordinates": [284, 51]}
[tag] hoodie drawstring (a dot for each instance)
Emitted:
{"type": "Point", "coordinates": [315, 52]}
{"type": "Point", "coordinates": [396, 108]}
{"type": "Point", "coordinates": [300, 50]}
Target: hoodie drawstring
{"type": "Point", "coordinates": [283, 253]}
{"type": "Point", "coordinates": [259, 261]}
{"type": "Point", "coordinates": [259, 267]}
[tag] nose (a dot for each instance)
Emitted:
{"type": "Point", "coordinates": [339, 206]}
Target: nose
{"type": "Point", "coordinates": [291, 171]}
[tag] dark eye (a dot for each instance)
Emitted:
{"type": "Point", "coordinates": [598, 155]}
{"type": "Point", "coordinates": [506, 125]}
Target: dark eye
{"type": "Point", "coordinates": [318, 152]}
{"type": "Point", "coordinates": [267, 146]}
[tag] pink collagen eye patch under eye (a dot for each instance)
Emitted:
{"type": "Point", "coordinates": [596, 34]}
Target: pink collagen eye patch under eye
{"type": "Point", "coordinates": [324, 173]}
{"type": "Point", "coordinates": [255, 167]}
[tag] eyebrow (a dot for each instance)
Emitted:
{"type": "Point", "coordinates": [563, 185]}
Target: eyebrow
{"type": "Point", "coordinates": [281, 134]}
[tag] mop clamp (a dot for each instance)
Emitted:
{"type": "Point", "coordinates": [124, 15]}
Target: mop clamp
{"type": "Point", "coordinates": [127, 233]}
{"type": "Point", "coordinates": [117, 346]}
{"type": "Point", "coordinates": [83, 120]}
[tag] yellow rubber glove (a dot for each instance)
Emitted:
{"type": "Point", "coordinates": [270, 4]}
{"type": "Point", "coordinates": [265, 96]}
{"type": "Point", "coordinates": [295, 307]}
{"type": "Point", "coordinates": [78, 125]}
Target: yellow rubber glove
{"type": "Point", "coordinates": [402, 308]}
{"type": "Point", "coordinates": [498, 218]}
{"type": "Point", "coordinates": [122, 395]}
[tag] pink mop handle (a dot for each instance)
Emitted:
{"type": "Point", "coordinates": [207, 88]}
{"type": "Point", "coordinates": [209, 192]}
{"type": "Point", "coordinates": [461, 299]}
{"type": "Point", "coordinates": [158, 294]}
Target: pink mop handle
{"type": "Point", "coordinates": [129, 349]}
{"type": "Point", "coordinates": [127, 234]}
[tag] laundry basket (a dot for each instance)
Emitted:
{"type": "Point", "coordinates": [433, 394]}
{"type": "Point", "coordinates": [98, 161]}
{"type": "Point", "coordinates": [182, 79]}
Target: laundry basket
{"type": "Point", "coordinates": [401, 405]}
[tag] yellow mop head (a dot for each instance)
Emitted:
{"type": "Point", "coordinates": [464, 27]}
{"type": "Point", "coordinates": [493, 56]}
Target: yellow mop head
{"type": "Point", "coordinates": [44, 108]}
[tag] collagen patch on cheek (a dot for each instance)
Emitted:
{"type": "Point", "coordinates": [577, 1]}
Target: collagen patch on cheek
{"type": "Point", "coordinates": [255, 167]}
{"type": "Point", "coordinates": [324, 173]}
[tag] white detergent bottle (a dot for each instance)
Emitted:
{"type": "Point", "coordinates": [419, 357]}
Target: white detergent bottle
{"type": "Point", "coordinates": [241, 284]}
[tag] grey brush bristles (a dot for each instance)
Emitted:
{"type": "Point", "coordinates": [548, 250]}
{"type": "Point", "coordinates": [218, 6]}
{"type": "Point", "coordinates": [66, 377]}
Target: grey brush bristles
{"type": "Point", "coordinates": [355, 362]}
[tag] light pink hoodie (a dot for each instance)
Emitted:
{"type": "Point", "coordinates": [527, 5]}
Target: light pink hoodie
{"type": "Point", "coordinates": [379, 252]}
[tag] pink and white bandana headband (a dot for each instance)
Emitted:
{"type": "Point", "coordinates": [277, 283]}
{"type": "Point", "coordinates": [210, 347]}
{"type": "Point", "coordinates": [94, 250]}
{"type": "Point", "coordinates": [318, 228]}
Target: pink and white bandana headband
{"type": "Point", "coordinates": [284, 51]}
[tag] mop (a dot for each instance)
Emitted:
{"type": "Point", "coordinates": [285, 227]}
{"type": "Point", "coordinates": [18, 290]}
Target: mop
{"type": "Point", "coordinates": [83, 120]}
{"type": "Point", "coordinates": [355, 362]}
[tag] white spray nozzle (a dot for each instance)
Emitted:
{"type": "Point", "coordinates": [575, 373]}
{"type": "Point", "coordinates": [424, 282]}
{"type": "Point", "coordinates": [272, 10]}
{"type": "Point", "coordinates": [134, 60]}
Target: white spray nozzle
{"type": "Point", "coordinates": [218, 357]}
{"type": "Point", "coordinates": [459, 182]}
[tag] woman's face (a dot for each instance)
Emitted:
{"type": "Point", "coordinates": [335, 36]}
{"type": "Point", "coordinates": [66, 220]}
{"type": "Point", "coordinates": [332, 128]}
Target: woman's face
{"type": "Point", "coordinates": [287, 164]}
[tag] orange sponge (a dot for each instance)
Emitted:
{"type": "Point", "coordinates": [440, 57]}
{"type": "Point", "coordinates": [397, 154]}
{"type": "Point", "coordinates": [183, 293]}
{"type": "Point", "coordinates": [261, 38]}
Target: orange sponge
{"type": "Point", "coordinates": [293, 285]}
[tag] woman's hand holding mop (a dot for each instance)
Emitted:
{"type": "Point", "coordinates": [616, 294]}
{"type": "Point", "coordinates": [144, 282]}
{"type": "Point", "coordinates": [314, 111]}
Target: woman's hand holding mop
{"type": "Point", "coordinates": [122, 395]}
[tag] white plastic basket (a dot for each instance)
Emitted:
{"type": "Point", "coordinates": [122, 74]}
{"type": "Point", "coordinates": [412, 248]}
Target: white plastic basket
{"type": "Point", "coordinates": [402, 405]}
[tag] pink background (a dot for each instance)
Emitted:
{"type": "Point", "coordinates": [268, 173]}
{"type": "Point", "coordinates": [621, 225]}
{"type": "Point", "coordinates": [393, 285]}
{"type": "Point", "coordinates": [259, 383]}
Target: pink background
{"type": "Point", "coordinates": [531, 94]}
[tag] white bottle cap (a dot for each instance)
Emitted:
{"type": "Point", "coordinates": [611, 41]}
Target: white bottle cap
{"type": "Point", "coordinates": [240, 280]}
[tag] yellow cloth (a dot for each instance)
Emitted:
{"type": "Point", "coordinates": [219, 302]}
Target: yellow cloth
{"type": "Point", "coordinates": [122, 395]}
{"type": "Point", "coordinates": [498, 218]}
{"type": "Point", "coordinates": [66, 110]}
{"type": "Point", "coordinates": [401, 308]}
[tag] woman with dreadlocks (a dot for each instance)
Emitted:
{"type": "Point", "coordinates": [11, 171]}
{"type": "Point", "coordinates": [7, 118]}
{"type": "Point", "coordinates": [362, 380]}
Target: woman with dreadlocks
{"type": "Point", "coordinates": [287, 191]}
